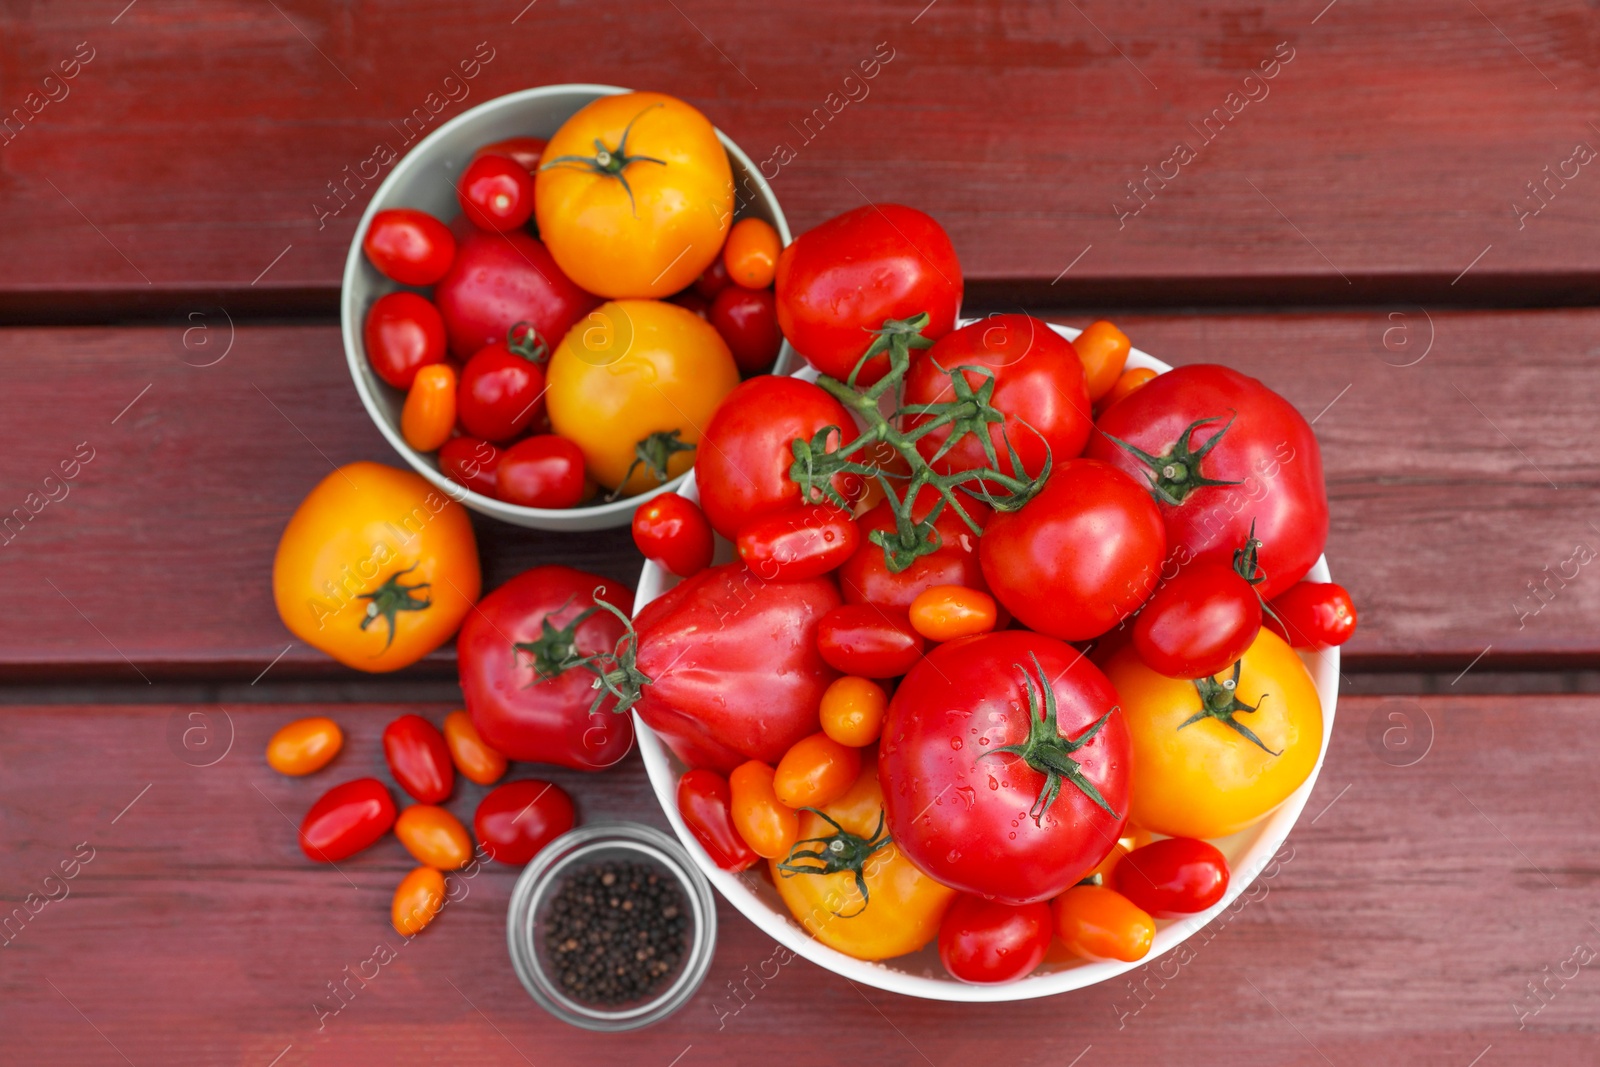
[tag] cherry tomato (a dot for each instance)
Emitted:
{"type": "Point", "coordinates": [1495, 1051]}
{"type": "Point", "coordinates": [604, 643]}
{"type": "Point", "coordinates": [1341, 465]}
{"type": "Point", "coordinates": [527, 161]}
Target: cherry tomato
{"type": "Point", "coordinates": [767, 825]}
{"type": "Point", "coordinates": [946, 612]}
{"type": "Point", "coordinates": [514, 821]}
{"type": "Point", "coordinates": [470, 462]}
{"type": "Point", "coordinates": [496, 193]}
{"type": "Point", "coordinates": [751, 253]}
{"type": "Point", "coordinates": [1174, 876]}
{"type": "Point", "coordinates": [1313, 615]}
{"type": "Point", "coordinates": [802, 542]}
{"type": "Point", "coordinates": [987, 941]}
{"type": "Point", "coordinates": [502, 386]}
{"type": "Point", "coordinates": [410, 246]}
{"type": "Point", "coordinates": [499, 280]}
{"type": "Point", "coordinates": [403, 334]}
{"type": "Point", "coordinates": [346, 819]}
{"type": "Point", "coordinates": [417, 899]}
{"type": "Point", "coordinates": [866, 577]}
{"type": "Point", "coordinates": [429, 414]}
{"type": "Point", "coordinates": [304, 745]}
{"type": "Point", "coordinates": [817, 770]}
{"type": "Point", "coordinates": [713, 279]}
{"type": "Point", "coordinates": [1127, 382]}
{"type": "Point", "coordinates": [543, 471]}
{"type": "Point", "coordinates": [434, 837]}
{"type": "Point", "coordinates": [852, 710]}
{"type": "Point", "coordinates": [1104, 350]}
{"type": "Point", "coordinates": [870, 640]}
{"type": "Point", "coordinates": [706, 804]}
{"type": "Point", "coordinates": [1199, 623]}
{"type": "Point", "coordinates": [748, 320]}
{"type": "Point", "coordinates": [527, 151]}
{"type": "Point", "coordinates": [419, 758]}
{"type": "Point", "coordinates": [472, 755]}
{"type": "Point", "coordinates": [1098, 923]}
{"type": "Point", "coordinates": [672, 532]}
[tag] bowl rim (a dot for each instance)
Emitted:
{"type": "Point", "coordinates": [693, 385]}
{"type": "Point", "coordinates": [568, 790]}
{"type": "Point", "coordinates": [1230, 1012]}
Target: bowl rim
{"type": "Point", "coordinates": [1264, 839]}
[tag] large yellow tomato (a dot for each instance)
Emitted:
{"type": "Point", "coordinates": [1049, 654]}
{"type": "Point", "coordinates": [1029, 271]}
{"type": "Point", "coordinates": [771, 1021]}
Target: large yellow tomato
{"type": "Point", "coordinates": [635, 195]}
{"type": "Point", "coordinates": [633, 384]}
{"type": "Point", "coordinates": [377, 568]}
{"type": "Point", "coordinates": [902, 908]}
{"type": "Point", "coordinates": [1212, 756]}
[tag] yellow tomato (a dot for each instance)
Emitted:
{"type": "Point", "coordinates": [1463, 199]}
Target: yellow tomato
{"type": "Point", "coordinates": [417, 899]}
{"type": "Point", "coordinates": [434, 837]}
{"type": "Point", "coordinates": [304, 745]}
{"type": "Point", "coordinates": [429, 413]}
{"type": "Point", "coordinates": [852, 710]}
{"type": "Point", "coordinates": [634, 195]}
{"type": "Point", "coordinates": [1215, 755]}
{"type": "Point", "coordinates": [633, 385]}
{"type": "Point", "coordinates": [902, 907]}
{"type": "Point", "coordinates": [377, 568]}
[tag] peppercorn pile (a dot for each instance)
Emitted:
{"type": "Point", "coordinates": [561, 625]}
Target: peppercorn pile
{"type": "Point", "coordinates": [615, 932]}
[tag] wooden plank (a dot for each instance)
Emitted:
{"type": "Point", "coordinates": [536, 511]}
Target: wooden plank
{"type": "Point", "coordinates": [204, 148]}
{"type": "Point", "coordinates": [1412, 906]}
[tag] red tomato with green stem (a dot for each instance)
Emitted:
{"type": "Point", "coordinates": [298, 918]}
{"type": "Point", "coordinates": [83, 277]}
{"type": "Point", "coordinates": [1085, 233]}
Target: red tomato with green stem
{"type": "Point", "coordinates": [986, 941]}
{"type": "Point", "coordinates": [499, 280]}
{"type": "Point", "coordinates": [347, 819]}
{"type": "Point", "coordinates": [672, 532]}
{"type": "Point", "coordinates": [706, 804]}
{"type": "Point", "coordinates": [803, 542]}
{"type": "Point", "coordinates": [1198, 623]}
{"type": "Point", "coordinates": [502, 385]}
{"type": "Point", "coordinates": [866, 578]}
{"type": "Point", "coordinates": [515, 820]}
{"type": "Point", "coordinates": [410, 246]}
{"type": "Point", "coordinates": [471, 463]}
{"type": "Point", "coordinates": [1172, 877]}
{"type": "Point", "coordinates": [543, 471]}
{"type": "Point", "coordinates": [403, 333]}
{"type": "Point", "coordinates": [419, 759]}
{"type": "Point", "coordinates": [1314, 615]}
{"type": "Point", "coordinates": [869, 640]}
{"type": "Point", "coordinates": [496, 193]}
{"type": "Point", "coordinates": [748, 320]}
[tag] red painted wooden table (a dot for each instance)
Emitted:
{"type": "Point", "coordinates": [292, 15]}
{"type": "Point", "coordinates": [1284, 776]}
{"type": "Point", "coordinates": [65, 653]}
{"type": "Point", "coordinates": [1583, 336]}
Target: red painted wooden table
{"type": "Point", "coordinates": [1383, 211]}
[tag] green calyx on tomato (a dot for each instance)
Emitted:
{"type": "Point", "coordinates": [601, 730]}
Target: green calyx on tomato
{"type": "Point", "coordinates": [971, 412]}
{"type": "Point", "coordinates": [1220, 701]}
{"type": "Point", "coordinates": [653, 453]}
{"type": "Point", "coordinates": [616, 673]}
{"type": "Point", "coordinates": [1247, 565]}
{"type": "Point", "coordinates": [555, 651]}
{"type": "Point", "coordinates": [391, 598]}
{"type": "Point", "coordinates": [609, 162]}
{"type": "Point", "coordinates": [1175, 473]}
{"type": "Point", "coordinates": [523, 339]}
{"type": "Point", "coordinates": [1047, 752]}
{"type": "Point", "coordinates": [839, 851]}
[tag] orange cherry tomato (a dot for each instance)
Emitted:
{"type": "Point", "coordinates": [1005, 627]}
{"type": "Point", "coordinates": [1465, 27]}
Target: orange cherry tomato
{"type": "Point", "coordinates": [434, 837]}
{"type": "Point", "coordinates": [1125, 384]}
{"type": "Point", "coordinates": [1101, 924]}
{"type": "Point", "coordinates": [767, 825]}
{"type": "Point", "coordinates": [472, 755]}
{"type": "Point", "coordinates": [1103, 349]}
{"type": "Point", "coordinates": [946, 612]}
{"type": "Point", "coordinates": [417, 899]}
{"type": "Point", "coordinates": [429, 414]}
{"type": "Point", "coordinates": [852, 710]}
{"type": "Point", "coordinates": [304, 745]}
{"type": "Point", "coordinates": [751, 254]}
{"type": "Point", "coordinates": [816, 770]}
{"type": "Point", "coordinates": [1132, 837]}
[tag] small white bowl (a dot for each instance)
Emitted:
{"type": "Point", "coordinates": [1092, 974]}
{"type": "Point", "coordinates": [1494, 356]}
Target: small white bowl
{"type": "Point", "coordinates": [921, 974]}
{"type": "Point", "coordinates": [425, 179]}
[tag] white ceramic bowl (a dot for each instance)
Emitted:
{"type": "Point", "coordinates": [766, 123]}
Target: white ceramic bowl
{"type": "Point", "coordinates": [921, 974]}
{"type": "Point", "coordinates": [425, 179]}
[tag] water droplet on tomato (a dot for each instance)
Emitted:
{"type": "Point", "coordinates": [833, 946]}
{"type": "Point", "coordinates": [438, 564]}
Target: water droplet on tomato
{"type": "Point", "coordinates": [955, 743]}
{"type": "Point", "coordinates": [965, 792]}
{"type": "Point", "coordinates": [1013, 833]}
{"type": "Point", "coordinates": [993, 784]}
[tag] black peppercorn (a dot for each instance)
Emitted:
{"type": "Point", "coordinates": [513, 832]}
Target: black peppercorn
{"type": "Point", "coordinates": [615, 932]}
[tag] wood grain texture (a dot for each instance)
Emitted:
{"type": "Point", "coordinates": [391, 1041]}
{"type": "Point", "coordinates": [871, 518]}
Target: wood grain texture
{"type": "Point", "coordinates": [200, 147]}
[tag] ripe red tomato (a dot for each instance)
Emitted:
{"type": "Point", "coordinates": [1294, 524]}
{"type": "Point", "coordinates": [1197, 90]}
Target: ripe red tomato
{"type": "Point", "coordinates": [1201, 425]}
{"type": "Point", "coordinates": [869, 640]}
{"type": "Point", "coordinates": [1198, 623]}
{"type": "Point", "coordinates": [987, 941]}
{"type": "Point", "coordinates": [1313, 615]}
{"type": "Point", "coordinates": [346, 819]}
{"type": "Point", "coordinates": [496, 193]}
{"type": "Point", "coordinates": [419, 759]}
{"type": "Point", "coordinates": [543, 471]}
{"type": "Point", "coordinates": [672, 532]}
{"type": "Point", "coordinates": [1172, 877]}
{"type": "Point", "coordinates": [525, 150]}
{"type": "Point", "coordinates": [1078, 558]}
{"type": "Point", "coordinates": [541, 620]}
{"type": "Point", "coordinates": [802, 542]}
{"type": "Point", "coordinates": [410, 246]}
{"type": "Point", "coordinates": [742, 464]}
{"type": "Point", "coordinates": [839, 282]}
{"type": "Point", "coordinates": [472, 463]}
{"type": "Point", "coordinates": [706, 804]}
{"type": "Point", "coordinates": [748, 320]}
{"type": "Point", "coordinates": [502, 388]}
{"type": "Point", "coordinates": [1039, 387]}
{"type": "Point", "coordinates": [514, 821]}
{"type": "Point", "coordinates": [499, 280]}
{"type": "Point", "coordinates": [403, 334]}
{"type": "Point", "coordinates": [1010, 758]}
{"type": "Point", "coordinates": [866, 577]}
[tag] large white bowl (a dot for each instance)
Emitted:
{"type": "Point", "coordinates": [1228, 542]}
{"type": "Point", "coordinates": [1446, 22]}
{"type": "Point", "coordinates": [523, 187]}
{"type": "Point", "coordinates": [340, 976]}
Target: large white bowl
{"type": "Point", "coordinates": [921, 974]}
{"type": "Point", "coordinates": [425, 179]}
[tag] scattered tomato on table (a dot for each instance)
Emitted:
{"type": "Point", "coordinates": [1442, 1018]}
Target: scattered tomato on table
{"type": "Point", "coordinates": [517, 819]}
{"type": "Point", "coordinates": [304, 746]}
{"type": "Point", "coordinates": [419, 759]}
{"type": "Point", "coordinates": [347, 819]}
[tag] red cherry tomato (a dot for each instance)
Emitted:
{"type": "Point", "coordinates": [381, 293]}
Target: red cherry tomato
{"type": "Point", "coordinates": [1200, 622]}
{"type": "Point", "coordinates": [472, 463]}
{"type": "Point", "coordinates": [527, 151]}
{"type": "Point", "coordinates": [987, 941]}
{"type": "Point", "coordinates": [543, 471]}
{"type": "Point", "coordinates": [403, 334]}
{"type": "Point", "coordinates": [1313, 615]}
{"type": "Point", "coordinates": [502, 388]}
{"type": "Point", "coordinates": [869, 640]}
{"type": "Point", "coordinates": [346, 819]}
{"type": "Point", "coordinates": [713, 279]}
{"type": "Point", "coordinates": [802, 542]}
{"type": "Point", "coordinates": [672, 532]}
{"type": "Point", "coordinates": [419, 759]}
{"type": "Point", "coordinates": [1172, 877]}
{"type": "Point", "coordinates": [706, 804]}
{"type": "Point", "coordinates": [748, 320]}
{"type": "Point", "coordinates": [499, 280]}
{"type": "Point", "coordinates": [410, 246]}
{"type": "Point", "coordinates": [514, 821]}
{"type": "Point", "coordinates": [866, 577]}
{"type": "Point", "coordinates": [496, 193]}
